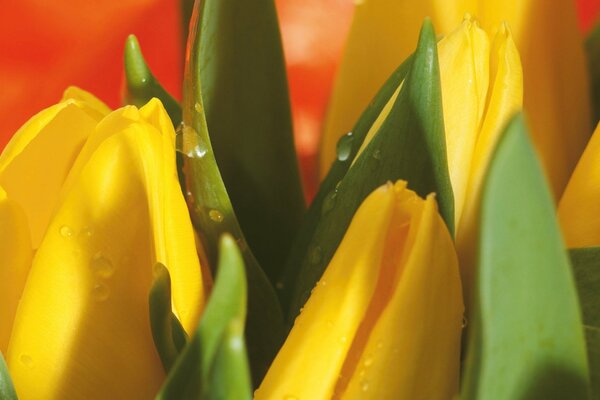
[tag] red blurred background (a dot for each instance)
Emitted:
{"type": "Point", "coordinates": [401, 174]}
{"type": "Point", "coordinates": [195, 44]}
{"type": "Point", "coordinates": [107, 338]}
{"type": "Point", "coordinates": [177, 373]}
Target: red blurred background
{"type": "Point", "coordinates": [46, 46]}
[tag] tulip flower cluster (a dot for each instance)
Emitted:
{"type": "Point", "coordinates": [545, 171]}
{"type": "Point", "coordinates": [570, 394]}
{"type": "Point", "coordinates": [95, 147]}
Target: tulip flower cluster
{"type": "Point", "coordinates": [163, 250]}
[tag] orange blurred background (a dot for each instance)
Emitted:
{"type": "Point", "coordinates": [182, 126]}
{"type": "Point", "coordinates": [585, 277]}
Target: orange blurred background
{"type": "Point", "coordinates": [46, 46]}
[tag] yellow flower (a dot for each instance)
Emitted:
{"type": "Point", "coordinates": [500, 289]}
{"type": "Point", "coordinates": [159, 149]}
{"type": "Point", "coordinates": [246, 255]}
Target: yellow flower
{"type": "Point", "coordinates": [482, 87]}
{"type": "Point", "coordinates": [99, 192]}
{"type": "Point", "coordinates": [579, 207]}
{"type": "Point", "coordinates": [385, 318]}
{"type": "Point", "coordinates": [383, 34]}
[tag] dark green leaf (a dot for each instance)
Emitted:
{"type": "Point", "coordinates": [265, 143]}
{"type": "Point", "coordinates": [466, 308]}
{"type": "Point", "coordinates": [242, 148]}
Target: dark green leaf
{"type": "Point", "coordinates": [167, 332]}
{"type": "Point", "coordinates": [526, 339]}
{"type": "Point", "coordinates": [327, 194]}
{"type": "Point", "coordinates": [214, 364]}
{"type": "Point", "coordinates": [141, 85]}
{"type": "Point", "coordinates": [7, 390]}
{"type": "Point", "coordinates": [245, 97]}
{"type": "Point", "coordinates": [592, 47]}
{"type": "Point", "coordinates": [410, 145]}
{"type": "Point", "coordinates": [213, 215]}
{"type": "Point", "coordinates": [586, 268]}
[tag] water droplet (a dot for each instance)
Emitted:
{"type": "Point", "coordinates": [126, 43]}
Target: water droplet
{"type": "Point", "coordinates": [465, 322]}
{"type": "Point", "coordinates": [66, 231]}
{"type": "Point", "coordinates": [102, 266]}
{"type": "Point", "coordinates": [364, 386]}
{"type": "Point", "coordinates": [100, 291]}
{"type": "Point", "coordinates": [188, 143]}
{"type": "Point", "coordinates": [323, 283]}
{"type": "Point", "coordinates": [329, 202]}
{"type": "Point", "coordinates": [380, 344]}
{"type": "Point", "coordinates": [315, 255]}
{"type": "Point", "coordinates": [344, 146]}
{"type": "Point", "coordinates": [279, 285]}
{"type": "Point", "coordinates": [343, 339]}
{"type": "Point", "coordinates": [362, 372]}
{"type": "Point", "coordinates": [215, 215]}
{"type": "Point", "coordinates": [198, 108]}
{"type": "Point", "coordinates": [368, 361]}
{"type": "Point", "coordinates": [26, 360]}
{"type": "Point", "coordinates": [86, 232]}
{"type": "Point", "coordinates": [377, 154]}
{"type": "Point", "coordinates": [290, 397]}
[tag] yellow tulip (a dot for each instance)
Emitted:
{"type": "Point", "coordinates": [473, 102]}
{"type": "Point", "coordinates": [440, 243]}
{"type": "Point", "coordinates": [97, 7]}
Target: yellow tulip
{"type": "Point", "coordinates": [482, 87]}
{"type": "Point", "coordinates": [384, 32]}
{"type": "Point", "coordinates": [385, 319]}
{"type": "Point", "coordinates": [100, 194]}
{"type": "Point", "coordinates": [579, 207]}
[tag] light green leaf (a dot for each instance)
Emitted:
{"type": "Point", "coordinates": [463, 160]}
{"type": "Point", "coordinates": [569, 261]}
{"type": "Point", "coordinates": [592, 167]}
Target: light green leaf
{"type": "Point", "coordinates": [213, 215]}
{"type": "Point", "coordinates": [526, 339]}
{"type": "Point", "coordinates": [245, 97]}
{"type": "Point", "coordinates": [141, 85]}
{"type": "Point", "coordinates": [586, 268]}
{"type": "Point", "coordinates": [167, 332]}
{"type": "Point", "coordinates": [214, 364]}
{"type": "Point", "coordinates": [410, 145]}
{"type": "Point", "coordinates": [7, 390]}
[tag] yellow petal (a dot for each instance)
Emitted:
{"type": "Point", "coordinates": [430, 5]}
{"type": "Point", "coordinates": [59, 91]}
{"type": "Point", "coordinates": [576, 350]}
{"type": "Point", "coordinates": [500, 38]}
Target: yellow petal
{"type": "Point", "coordinates": [310, 361]}
{"type": "Point", "coordinates": [464, 76]}
{"type": "Point", "coordinates": [413, 349]}
{"type": "Point", "coordinates": [15, 247]}
{"type": "Point", "coordinates": [82, 329]}
{"type": "Point", "coordinates": [35, 163]}
{"type": "Point", "coordinates": [579, 208]}
{"type": "Point", "coordinates": [505, 98]}
{"type": "Point", "coordinates": [555, 78]}
{"type": "Point", "coordinates": [361, 295]}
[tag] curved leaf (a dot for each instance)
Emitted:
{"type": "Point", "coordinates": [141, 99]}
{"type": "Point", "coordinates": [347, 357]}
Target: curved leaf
{"type": "Point", "coordinates": [167, 332]}
{"type": "Point", "coordinates": [586, 268]}
{"type": "Point", "coordinates": [7, 390]}
{"type": "Point", "coordinates": [410, 145]}
{"type": "Point", "coordinates": [213, 214]}
{"type": "Point", "coordinates": [214, 364]}
{"type": "Point", "coordinates": [245, 97]}
{"type": "Point", "coordinates": [526, 339]}
{"type": "Point", "coordinates": [141, 85]}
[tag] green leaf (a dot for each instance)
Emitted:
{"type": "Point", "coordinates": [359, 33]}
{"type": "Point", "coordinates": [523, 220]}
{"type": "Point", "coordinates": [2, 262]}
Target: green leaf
{"type": "Point", "coordinates": [410, 145]}
{"type": "Point", "coordinates": [245, 97]}
{"type": "Point", "coordinates": [526, 339]}
{"type": "Point", "coordinates": [7, 390]}
{"type": "Point", "coordinates": [327, 193]}
{"type": "Point", "coordinates": [167, 332]}
{"type": "Point", "coordinates": [592, 47]}
{"type": "Point", "coordinates": [141, 85]}
{"type": "Point", "coordinates": [213, 215]}
{"type": "Point", "coordinates": [586, 268]}
{"type": "Point", "coordinates": [214, 364]}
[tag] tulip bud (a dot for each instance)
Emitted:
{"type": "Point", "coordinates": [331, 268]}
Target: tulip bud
{"type": "Point", "coordinates": [82, 328]}
{"type": "Point", "coordinates": [385, 318]}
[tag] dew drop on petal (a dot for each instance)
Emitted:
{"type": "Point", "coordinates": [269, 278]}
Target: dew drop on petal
{"type": "Point", "coordinates": [66, 231]}
{"type": "Point", "coordinates": [26, 360]}
{"type": "Point", "coordinates": [100, 291]}
{"type": "Point", "coordinates": [102, 266]}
